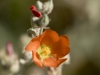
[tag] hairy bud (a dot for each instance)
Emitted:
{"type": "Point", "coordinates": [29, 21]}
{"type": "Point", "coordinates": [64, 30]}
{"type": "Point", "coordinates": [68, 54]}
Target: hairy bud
{"type": "Point", "coordinates": [43, 21]}
{"type": "Point", "coordinates": [34, 22]}
{"type": "Point", "coordinates": [33, 32]}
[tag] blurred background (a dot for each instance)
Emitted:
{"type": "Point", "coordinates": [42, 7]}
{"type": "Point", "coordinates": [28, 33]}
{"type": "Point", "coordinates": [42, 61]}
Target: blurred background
{"type": "Point", "coordinates": [78, 19]}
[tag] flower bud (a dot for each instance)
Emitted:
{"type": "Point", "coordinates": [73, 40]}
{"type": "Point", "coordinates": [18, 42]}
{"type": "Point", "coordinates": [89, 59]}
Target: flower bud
{"type": "Point", "coordinates": [34, 22]}
{"type": "Point", "coordinates": [33, 32]}
{"type": "Point", "coordinates": [35, 11]}
{"type": "Point", "coordinates": [9, 49]}
{"type": "Point", "coordinates": [39, 5]}
{"type": "Point", "coordinates": [33, 8]}
{"type": "Point", "coordinates": [48, 6]}
{"type": "Point", "coordinates": [43, 21]}
{"type": "Point", "coordinates": [9, 59]}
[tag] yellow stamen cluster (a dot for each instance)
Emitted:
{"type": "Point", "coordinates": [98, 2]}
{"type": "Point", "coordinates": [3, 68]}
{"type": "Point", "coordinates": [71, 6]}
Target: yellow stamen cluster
{"type": "Point", "coordinates": [44, 52]}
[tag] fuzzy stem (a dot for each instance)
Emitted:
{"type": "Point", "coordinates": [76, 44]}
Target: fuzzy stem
{"type": "Point", "coordinates": [55, 71]}
{"type": "Point", "coordinates": [41, 30]}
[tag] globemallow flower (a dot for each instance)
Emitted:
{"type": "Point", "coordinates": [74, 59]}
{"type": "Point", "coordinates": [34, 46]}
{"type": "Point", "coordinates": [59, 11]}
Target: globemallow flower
{"type": "Point", "coordinates": [48, 49]}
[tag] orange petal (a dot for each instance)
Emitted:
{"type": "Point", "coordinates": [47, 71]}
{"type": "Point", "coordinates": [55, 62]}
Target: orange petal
{"type": "Point", "coordinates": [53, 62]}
{"type": "Point", "coordinates": [36, 59]}
{"type": "Point", "coordinates": [33, 45]}
{"type": "Point", "coordinates": [49, 37]}
{"type": "Point", "coordinates": [61, 48]}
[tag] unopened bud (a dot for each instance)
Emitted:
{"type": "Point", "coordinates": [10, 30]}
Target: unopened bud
{"type": "Point", "coordinates": [33, 8]}
{"type": "Point", "coordinates": [48, 7]}
{"type": "Point", "coordinates": [34, 21]}
{"type": "Point", "coordinates": [44, 20]}
{"type": "Point", "coordinates": [39, 5]}
{"type": "Point", "coordinates": [35, 11]}
{"type": "Point", "coordinates": [9, 49]}
{"type": "Point", "coordinates": [33, 32]}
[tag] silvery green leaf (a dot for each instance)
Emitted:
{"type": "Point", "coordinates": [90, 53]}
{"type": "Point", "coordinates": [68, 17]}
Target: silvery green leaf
{"type": "Point", "coordinates": [39, 5]}
{"type": "Point", "coordinates": [48, 6]}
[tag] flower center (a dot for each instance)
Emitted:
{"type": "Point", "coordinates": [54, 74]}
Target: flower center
{"type": "Point", "coordinates": [44, 52]}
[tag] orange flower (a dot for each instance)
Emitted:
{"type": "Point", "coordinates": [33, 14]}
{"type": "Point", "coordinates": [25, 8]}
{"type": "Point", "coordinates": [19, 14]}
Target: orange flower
{"type": "Point", "coordinates": [49, 49]}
